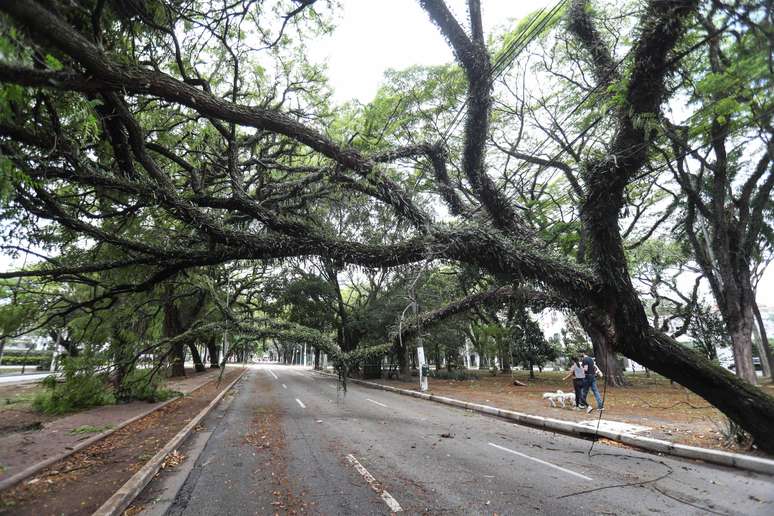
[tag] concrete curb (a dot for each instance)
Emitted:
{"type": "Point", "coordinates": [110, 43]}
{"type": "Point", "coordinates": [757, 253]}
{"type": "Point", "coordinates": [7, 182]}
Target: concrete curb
{"type": "Point", "coordinates": [733, 460]}
{"type": "Point", "coordinates": [11, 481]}
{"type": "Point", "coordinates": [116, 504]}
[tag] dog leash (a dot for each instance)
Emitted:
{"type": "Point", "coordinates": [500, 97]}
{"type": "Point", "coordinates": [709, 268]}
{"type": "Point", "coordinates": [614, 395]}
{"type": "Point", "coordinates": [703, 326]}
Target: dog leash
{"type": "Point", "coordinates": [599, 419]}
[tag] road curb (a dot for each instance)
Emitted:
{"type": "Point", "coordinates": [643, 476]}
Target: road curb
{"type": "Point", "coordinates": [733, 460]}
{"type": "Point", "coordinates": [121, 499]}
{"type": "Point", "coordinates": [30, 471]}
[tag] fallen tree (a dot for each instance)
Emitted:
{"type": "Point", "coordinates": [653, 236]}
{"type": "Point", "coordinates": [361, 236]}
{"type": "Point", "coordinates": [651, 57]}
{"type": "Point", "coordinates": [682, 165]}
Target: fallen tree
{"type": "Point", "coordinates": [96, 134]}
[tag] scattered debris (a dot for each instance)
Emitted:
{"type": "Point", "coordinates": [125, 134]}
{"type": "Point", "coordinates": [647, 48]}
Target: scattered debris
{"type": "Point", "coordinates": [173, 459]}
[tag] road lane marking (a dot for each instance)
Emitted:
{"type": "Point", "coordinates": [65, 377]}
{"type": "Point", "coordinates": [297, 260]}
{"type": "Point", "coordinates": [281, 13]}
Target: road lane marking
{"type": "Point", "coordinates": [272, 373]}
{"type": "Point", "coordinates": [391, 502]}
{"type": "Point", "coordinates": [584, 477]}
{"type": "Point", "coordinates": [376, 402]}
{"type": "Point", "coordinates": [300, 403]}
{"type": "Point", "coordinates": [284, 386]}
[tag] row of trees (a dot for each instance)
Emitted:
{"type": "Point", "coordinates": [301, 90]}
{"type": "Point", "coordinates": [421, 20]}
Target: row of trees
{"type": "Point", "coordinates": [147, 143]}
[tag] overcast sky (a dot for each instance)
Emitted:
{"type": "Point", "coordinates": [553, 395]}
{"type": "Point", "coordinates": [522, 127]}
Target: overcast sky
{"type": "Point", "coordinates": [372, 36]}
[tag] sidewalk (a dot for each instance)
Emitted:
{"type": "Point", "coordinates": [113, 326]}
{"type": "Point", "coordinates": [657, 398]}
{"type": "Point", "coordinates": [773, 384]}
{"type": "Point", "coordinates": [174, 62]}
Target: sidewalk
{"type": "Point", "coordinates": [22, 449]}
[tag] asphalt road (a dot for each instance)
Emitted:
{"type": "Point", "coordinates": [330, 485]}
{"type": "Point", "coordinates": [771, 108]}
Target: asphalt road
{"type": "Point", "coordinates": [375, 452]}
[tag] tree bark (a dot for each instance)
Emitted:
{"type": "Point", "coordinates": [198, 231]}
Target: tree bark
{"type": "Point", "coordinates": [172, 329]}
{"type": "Point", "coordinates": [214, 352]}
{"type": "Point", "coordinates": [505, 355]}
{"type": "Point", "coordinates": [196, 357]}
{"type": "Point", "coordinates": [601, 333]}
{"type": "Point", "coordinates": [740, 325]}
{"type": "Point", "coordinates": [177, 360]}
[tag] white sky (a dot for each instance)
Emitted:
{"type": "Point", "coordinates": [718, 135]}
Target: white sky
{"type": "Point", "coordinates": [372, 36]}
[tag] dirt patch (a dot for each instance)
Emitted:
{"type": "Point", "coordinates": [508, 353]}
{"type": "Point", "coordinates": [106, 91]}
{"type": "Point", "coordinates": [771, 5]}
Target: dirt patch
{"type": "Point", "coordinates": [16, 413]}
{"type": "Point", "coordinates": [82, 482]}
{"type": "Point", "coordinates": [670, 410]}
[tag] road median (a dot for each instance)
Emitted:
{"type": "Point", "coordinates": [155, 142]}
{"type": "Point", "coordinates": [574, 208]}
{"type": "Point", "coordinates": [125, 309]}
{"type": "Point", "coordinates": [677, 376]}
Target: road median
{"type": "Point", "coordinates": [122, 498]}
{"type": "Point", "coordinates": [81, 482]}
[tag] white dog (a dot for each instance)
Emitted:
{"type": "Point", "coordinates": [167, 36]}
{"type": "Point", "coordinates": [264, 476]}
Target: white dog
{"type": "Point", "coordinates": [560, 397]}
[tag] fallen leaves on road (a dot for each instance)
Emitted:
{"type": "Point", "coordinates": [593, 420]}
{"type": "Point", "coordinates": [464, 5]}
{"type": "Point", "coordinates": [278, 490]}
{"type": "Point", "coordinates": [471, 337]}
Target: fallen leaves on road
{"type": "Point", "coordinates": [173, 459]}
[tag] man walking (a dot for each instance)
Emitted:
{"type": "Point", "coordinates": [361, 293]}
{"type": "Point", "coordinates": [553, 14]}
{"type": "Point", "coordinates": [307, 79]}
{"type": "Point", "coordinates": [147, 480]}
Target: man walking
{"type": "Point", "coordinates": [590, 382]}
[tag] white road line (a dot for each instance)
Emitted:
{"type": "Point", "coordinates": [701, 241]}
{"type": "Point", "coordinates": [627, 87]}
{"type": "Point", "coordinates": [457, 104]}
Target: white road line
{"type": "Point", "coordinates": [300, 403]}
{"type": "Point", "coordinates": [272, 373]}
{"type": "Point", "coordinates": [570, 472]}
{"type": "Point", "coordinates": [284, 386]}
{"type": "Point", "coordinates": [391, 502]}
{"type": "Point", "coordinates": [584, 477]}
{"type": "Point", "coordinates": [376, 402]}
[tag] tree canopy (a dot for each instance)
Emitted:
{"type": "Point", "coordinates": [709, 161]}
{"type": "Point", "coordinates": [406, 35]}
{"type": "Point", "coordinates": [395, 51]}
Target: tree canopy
{"type": "Point", "coordinates": [144, 143]}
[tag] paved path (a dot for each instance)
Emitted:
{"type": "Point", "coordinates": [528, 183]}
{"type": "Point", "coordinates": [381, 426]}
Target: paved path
{"type": "Point", "coordinates": [374, 452]}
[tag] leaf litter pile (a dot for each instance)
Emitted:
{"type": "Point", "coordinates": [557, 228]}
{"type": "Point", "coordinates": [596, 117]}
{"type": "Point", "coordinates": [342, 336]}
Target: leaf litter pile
{"type": "Point", "coordinates": [81, 483]}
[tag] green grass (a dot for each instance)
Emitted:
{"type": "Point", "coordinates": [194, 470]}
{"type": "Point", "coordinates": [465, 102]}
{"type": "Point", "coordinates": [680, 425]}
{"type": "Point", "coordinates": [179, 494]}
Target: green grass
{"type": "Point", "coordinates": [89, 429]}
{"type": "Point", "coordinates": [25, 398]}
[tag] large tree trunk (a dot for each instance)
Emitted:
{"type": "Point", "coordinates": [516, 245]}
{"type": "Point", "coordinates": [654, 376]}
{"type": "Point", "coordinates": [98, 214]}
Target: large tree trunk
{"type": "Point", "coordinates": [172, 328]}
{"type": "Point", "coordinates": [600, 331]}
{"type": "Point", "coordinates": [214, 352]}
{"type": "Point", "coordinates": [728, 273]}
{"type": "Point", "coordinates": [403, 362]}
{"type": "Point", "coordinates": [196, 357]}
{"type": "Point", "coordinates": [505, 355]}
{"type": "Point", "coordinates": [740, 322]}
{"type": "Point", "coordinates": [749, 406]}
{"type": "Point", "coordinates": [177, 360]}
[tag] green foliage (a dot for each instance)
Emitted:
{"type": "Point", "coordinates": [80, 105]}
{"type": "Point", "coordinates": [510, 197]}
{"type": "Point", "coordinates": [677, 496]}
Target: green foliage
{"type": "Point", "coordinates": [143, 385]}
{"type": "Point", "coordinates": [657, 254]}
{"type": "Point", "coordinates": [90, 429]}
{"type": "Point", "coordinates": [530, 348]}
{"type": "Point", "coordinates": [41, 360]}
{"type": "Point", "coordinates": [83, 387]}
{"type": "Point", "coordinates": [708, 331]}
